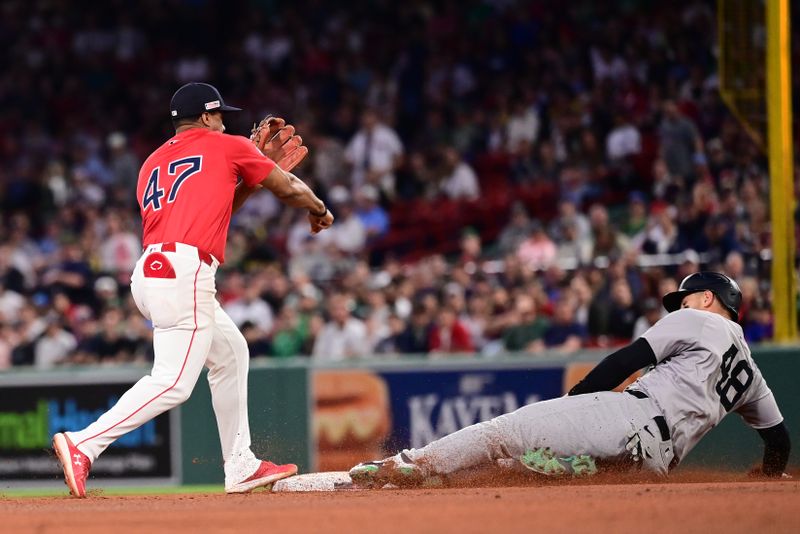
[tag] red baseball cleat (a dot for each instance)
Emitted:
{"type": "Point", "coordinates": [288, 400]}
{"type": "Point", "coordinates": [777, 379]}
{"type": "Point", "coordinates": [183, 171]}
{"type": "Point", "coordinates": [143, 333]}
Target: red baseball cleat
{"type": "Point", "coordinates": [266, 474]}
{"type": "Point", "coordinates": [75, 464]}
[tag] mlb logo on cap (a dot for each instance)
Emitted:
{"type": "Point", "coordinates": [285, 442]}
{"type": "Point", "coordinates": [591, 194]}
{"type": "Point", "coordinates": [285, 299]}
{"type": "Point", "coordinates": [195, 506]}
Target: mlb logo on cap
{"type": "Point", "coordinates": [195, 98]}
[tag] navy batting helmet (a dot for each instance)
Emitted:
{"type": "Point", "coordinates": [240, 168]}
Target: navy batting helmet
{"type": "Point", "coordinates": [724, 288]}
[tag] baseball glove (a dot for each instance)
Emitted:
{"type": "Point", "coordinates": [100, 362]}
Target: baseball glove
{"type": "Point", "coordinates": [277, 140]}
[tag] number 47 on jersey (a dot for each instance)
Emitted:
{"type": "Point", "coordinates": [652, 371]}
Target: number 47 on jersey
{"type": "Point", "coordinates": [153, 192]}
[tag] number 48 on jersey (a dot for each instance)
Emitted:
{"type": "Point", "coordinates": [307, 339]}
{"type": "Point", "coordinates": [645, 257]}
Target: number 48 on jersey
{"type": "Point", "coordinates": [153, 192]}
{"type": "Point", "coordinates": [732, 379]}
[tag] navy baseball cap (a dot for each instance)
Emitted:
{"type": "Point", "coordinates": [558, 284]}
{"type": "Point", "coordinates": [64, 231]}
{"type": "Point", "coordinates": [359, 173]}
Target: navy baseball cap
{"type": "Point", "coordinates": [195, 98]}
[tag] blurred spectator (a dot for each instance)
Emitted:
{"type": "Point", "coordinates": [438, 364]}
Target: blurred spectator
{"type": "Point", "coordinates": [607, 242]}
{"type": "Point", "coordinates": [538, 251]}
{"type": "Point", "coordinates": [759, 325]}
{"type": "Point", "coordinates": [124, 166]}
{"type": "Point", "coordinates": [607, 65]}
{"type": "Point", "coordinates": [734, 265]}
{"type": "Point", "coordinates": [377, 314]}
{"type": "Point", "coordinates": [575, 182]}
{"type": "Point", "coordinates": [109, 344]}
{"type": "Point", "coordinates": [549, 167]}
{"type": "Point", "coordinates": [72, 275]}
{"type": "Point", "coordinates": [257, 342]}
{"type": "Point", "coordinates": [471, 247]}
{"type": "Point", "coordinates": [661, 234]}
{"type": "Point", "coordinates": [515, 231]}
{"type": "Point", "coordinates": [474, 319]}
{"type": "Point", "coordinates": [416, 337]}
{"type": "Point", "coordinates": [681, 145]}
{"type": "Point", "coordinates": [86, 191]}
{"type": "Point", "coordinates": [89, 166]}
{"type": "Point", "coordinates": [690, 264]}
{"type": "Point", "coordinates": [570, 216]}
{"type": "Point", "coordinates": [250, 308]}
{"type": "Point", "coordinates": [636, 217]}
{"type": "Point", "coordinates": [590, 155]}
{"type": "Point", "coordinates": [524, 167]}
{"type": "Point", "coordinates": [564, 334]}
{"type": "Point", "coordinates": [327, 159]}
{"type": "Point", "coordinates": [374, 154]}
{"type": "Point", "coordinates": [349, 235]}
{"type": "Point", "coordinates": [11, 302]}
{"type": "Point", "coordinates": [309, 254]}
{"type": "Point", "coordinates": [624, 140]}
{"type": "Point", "coordinates": [527, 334]}
{"type": "Point", "coordinates": [448, 334]}
{"type": "Point", "coordinates": [389, 344]}
{"type": "Point", "coordinates": [523, 126]}
{"type": "Point", "coordinates": [373, 217]}
{"type": "Point", "coordinates": [29, 325]}
{"type": "Point", "coordinates": [54, 346]}
{"type": "Point", "coordinates": [665, 185]}
{"type": "Point", "coordinates": [289, 333]}
{"type": "Point", "coordinates": [106, 294]}
{"type": "Point", "coordinates": [120, 249]}
{"type": "Point", "coordinates": [259, 209]}
{"type": "Point", "coordinates": [583, 293]}
{"type": "Point", "coordinates": [718, 239]}
{"type": "Point", "coordinates": [343, 336]}
{"type": "Point", "coordinates": [459, 181]}
{"type": "Point", "coordinates": [572, 251]}
{"type": "Point", "coordinates": [622, 312]}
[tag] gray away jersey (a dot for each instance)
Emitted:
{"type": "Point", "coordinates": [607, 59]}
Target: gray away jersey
{"type": "Point", "coordinates": [704, 370]}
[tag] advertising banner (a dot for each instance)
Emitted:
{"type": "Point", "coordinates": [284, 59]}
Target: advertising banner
{"type": "Point", "coordinates": [31, 414]}
{"type": "Point", "coordinates": [366, 414]}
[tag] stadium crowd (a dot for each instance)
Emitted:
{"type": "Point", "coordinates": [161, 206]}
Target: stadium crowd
{"type": "Point", "coordinates": [505, 176]}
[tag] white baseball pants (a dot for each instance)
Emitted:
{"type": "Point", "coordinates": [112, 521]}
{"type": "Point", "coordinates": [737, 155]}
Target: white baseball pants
{"type": "Point", "coordinates": [176, 291]}
{"type": "Point", "coordinates": [597, 424]}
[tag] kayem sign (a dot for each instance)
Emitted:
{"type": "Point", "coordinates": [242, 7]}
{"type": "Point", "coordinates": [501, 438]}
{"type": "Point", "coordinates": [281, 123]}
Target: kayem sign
{"type": "Point", "coordinates": [367, 414]}
{"type": "Point", "coordinates": [430, 405]}
{"type": "Point", "coordinates": [31, 414]}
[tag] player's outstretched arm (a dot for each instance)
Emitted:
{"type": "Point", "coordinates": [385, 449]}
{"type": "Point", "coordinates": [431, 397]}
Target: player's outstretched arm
{"type": "Point", "coordinates": [616, 367]}
{"type": "Point", "coordinates": [293, 192]}
{"type": "Point", "coordinates": [777, 446]}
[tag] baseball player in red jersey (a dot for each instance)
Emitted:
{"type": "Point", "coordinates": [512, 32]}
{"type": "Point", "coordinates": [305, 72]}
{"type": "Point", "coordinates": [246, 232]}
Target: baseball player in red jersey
{"type": "Point", "coordinates": [187, 191]}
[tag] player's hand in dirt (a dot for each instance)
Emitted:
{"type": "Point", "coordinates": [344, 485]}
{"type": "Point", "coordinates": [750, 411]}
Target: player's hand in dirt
{"type": "Point", "coordinates": [277, 140]}
{"type": "Point", "coordinates": [319, 223]}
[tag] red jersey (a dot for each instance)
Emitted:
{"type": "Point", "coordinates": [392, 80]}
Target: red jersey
{"type": "Point", "coordinates": [186, 187]}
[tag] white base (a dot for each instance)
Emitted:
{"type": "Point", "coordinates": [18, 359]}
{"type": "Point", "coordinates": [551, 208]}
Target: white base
{"type": "Point", "coordinates": [329, 481]}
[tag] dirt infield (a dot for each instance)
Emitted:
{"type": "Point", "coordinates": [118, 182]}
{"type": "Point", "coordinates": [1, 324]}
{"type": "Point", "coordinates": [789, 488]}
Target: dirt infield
{"type": "Point", "coordinates": [726, 505]}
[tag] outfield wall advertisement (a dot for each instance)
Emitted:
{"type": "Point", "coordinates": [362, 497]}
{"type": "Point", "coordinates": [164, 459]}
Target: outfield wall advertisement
{"type": "Point", "coordinates": [363, 414]}
{"type": "Point", "coordinates": [30, 415]}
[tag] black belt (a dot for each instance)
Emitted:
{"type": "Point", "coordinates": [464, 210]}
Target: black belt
{"type": "Point", "coordinates": [661, 423]}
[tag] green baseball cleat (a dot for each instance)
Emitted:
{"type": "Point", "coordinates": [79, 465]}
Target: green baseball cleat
{"type": "Point", "coordinates": [365, 474]}
{"type": "Point", "coordinates": [545, 462]}
{"type": "Point", "coordinates": [398, 470]}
